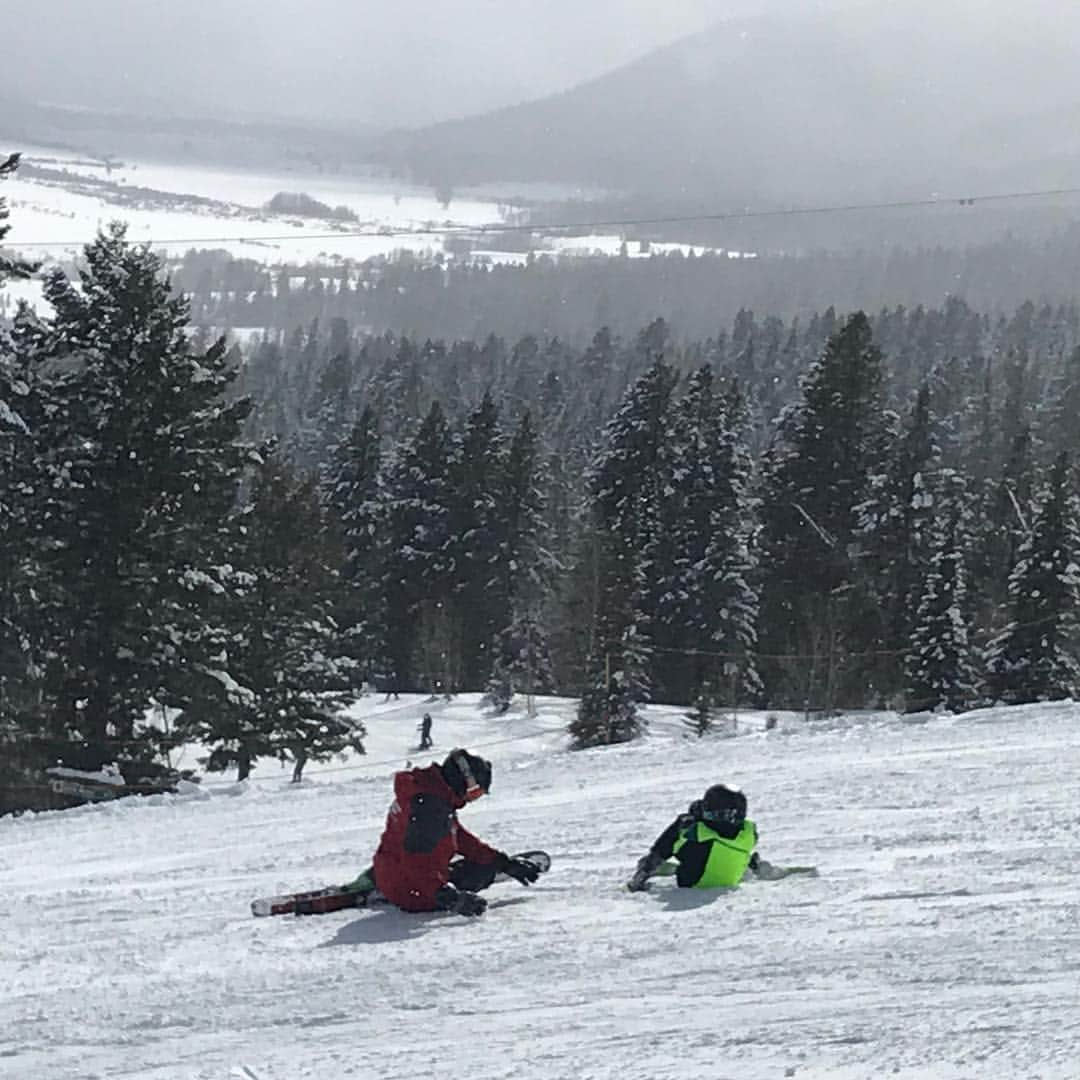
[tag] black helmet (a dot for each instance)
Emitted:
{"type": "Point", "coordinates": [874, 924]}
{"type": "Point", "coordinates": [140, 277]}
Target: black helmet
{"type": "Point", "coordinates": [723, 809]}
{"type": "Point", "coordinates": [467, 774]}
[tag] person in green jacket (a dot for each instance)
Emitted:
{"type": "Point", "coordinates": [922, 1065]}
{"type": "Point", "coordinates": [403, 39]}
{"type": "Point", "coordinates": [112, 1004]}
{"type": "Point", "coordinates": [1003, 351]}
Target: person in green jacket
{"type": "Point", "coordinates": [712, 843]}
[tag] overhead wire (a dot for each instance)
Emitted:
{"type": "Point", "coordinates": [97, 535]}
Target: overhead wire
{"type": "Point", "coordinates": [459, 229]}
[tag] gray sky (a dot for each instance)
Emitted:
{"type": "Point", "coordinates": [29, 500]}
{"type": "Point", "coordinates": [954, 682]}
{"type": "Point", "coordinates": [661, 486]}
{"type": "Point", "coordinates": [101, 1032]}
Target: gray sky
{"type": "Point", "coordinates": [389, 61]}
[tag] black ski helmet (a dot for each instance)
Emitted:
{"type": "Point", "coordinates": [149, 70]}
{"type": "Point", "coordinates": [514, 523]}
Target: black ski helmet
{"type": "Point", "coordinates": [467, 774]}
{"type": "Point", "coordinates": [723, 808]}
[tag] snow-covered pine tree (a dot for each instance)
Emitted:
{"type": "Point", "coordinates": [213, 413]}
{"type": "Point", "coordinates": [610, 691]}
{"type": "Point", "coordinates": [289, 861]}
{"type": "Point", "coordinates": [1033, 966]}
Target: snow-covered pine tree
{"type": "Point", "coordinates": [144, 458]}
{"type": "Point", "coordinates": [699, 721]}
{"type": "Point", "coordinates": [354, 492]}
{"type": "Point", "coordinates": [891, 547]}
{"type": "Point", "coordinates": [278, 689]}
{"type": "Point", "coordinates": [521, 656]}
{"type": "Point", "coordinates": [702, 562]}
{"type": "Point", "coordinates": [18, 475]}
{"type": "Point", "coordinates": [625, 482]}
{"type": "Point", "coordinates": [940, 661]}
{"type": "Point", "coordinates": [1061, 428]}
{"type": "Point", "coordinates": [818, 473]}
{"type": "Point", "coordinates": [608, 711]}
{"type": "Point", "coordinates": [15, 459]}
{"type": "Point", "coordinates": [420, 565]}
{"type": "Point", "coordinates": [1035, 657]}
{"type": "Point", "coordinates": [10, 266]}
{"type": "Point", "coordinates": [1002, 464]}
{"type": "Point", "coordinates": [478, 543]}
{"type": "Point", "coordinates": [330, 412]}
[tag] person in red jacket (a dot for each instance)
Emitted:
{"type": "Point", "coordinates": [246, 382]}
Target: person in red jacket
{"type": "Point", "coordinates": [427, 860]}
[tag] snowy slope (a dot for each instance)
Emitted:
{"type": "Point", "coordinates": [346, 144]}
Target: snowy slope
{"type": "Point", "coordinates": [942, 939]}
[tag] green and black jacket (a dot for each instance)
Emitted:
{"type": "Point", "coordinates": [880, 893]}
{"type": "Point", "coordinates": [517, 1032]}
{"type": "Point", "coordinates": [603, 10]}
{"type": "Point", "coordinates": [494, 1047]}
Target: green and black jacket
{"type": "Point", "coordinates": [706, 859]}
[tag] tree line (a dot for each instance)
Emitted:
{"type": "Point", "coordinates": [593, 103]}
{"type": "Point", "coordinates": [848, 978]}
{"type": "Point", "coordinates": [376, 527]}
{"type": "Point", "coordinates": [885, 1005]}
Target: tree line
{"type": "Point", "coordinates": [835, 514]}
{"type": "Point", "coordinates": [569, 298]}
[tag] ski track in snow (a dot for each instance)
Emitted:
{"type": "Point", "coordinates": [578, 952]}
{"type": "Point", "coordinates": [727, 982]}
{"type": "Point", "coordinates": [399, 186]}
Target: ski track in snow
{"type": "Point", "coordinates": [942, 938]}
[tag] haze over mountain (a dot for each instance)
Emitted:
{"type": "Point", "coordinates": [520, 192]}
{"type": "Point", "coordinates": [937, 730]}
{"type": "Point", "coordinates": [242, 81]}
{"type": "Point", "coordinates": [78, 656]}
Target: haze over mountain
{"type": "Point", "coordinates": [384, 62]}
{"type": "Point", "coordinates": [881, 101]}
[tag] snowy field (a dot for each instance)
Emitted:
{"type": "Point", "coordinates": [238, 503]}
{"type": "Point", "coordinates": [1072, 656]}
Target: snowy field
{"type": "Point", "coordinates": [52, 221]}
{"type": "Point", "coordinates": [942, 938]}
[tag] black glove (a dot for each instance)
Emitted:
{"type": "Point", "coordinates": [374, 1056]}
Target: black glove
{"type": "Point", "coordinates": [460, 901]}
{"type": "Point", "coordinates": [640, 880]}
{"type": "Point", "coordinates": [755, 861]}
{"type": "Point", "coordinates": [519, 869]}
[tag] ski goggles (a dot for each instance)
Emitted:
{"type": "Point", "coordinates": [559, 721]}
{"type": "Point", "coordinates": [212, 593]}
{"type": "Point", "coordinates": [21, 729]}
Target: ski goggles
{"type": "Point", "coordinates": [473, 790]}
{"type": "Point", "coordinates": [728, 816]}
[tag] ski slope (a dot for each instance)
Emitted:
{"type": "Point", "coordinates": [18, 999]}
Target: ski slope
{"type": "Point", "coordinates": [941, 940]}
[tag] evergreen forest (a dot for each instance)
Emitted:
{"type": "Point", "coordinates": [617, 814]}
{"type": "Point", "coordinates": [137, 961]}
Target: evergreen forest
{"type": "Point", "coordinates": [224, 539]}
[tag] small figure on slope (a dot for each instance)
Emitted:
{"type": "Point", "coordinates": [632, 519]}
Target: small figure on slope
{"type": "Point", "coordinates": [425, 732]}
{"type": "Point", "coordinates": [428, 861]}
{"type": "Point", "coordinates": [713, 846]}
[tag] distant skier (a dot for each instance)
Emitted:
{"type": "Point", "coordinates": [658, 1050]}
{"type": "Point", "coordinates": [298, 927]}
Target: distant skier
{"type": "Point", "coordinates": [416, 866]}
{"type": "Point", "coordinates": [713, 844]}
{"type": "Point", "coordinates": [391, 683]}
{"type": "Point", "coordinates": [425, 732]}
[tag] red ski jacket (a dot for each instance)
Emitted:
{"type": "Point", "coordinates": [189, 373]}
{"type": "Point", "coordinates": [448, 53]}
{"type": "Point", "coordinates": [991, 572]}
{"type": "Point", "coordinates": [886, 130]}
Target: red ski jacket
{"type": "Point", "coordinates": [422, 835]}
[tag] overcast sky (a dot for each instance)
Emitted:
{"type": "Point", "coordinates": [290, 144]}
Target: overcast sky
{"type": "Point", "coordinates": [388, 61]}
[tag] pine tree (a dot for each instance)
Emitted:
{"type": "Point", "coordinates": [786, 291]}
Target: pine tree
{"type": "Point", "coordinates": [19, 475]}
{"type": "Point", "coordinates": [939, 664]}
{"type": "Point", "coordinates": [829, 446]}
{"type": "Point", "coordinates": [608, 711]}
{"type": "Point", "coordinates": [1035, 656]}
{"type": "Point", "coordinates": [355, 494]}
{"type": "Point", "coordinates": [625, 483]}
{"type": "Point", "coordinates": [420, 558]}
{"type": "Point", "coordinates": [143, 458]}
{"type": "Point", "coordinates": [273, 692]}
{"type": "Point", "coordinates": [702, 564]}
{"type": "Point", "coordinates": [10, 267]}
{"type": "Point", "coordinates": [893, 521]}
{"type": "Point", "coordinates": [521, 655]}
{"type": "Point", "coordinates": [478, 543]}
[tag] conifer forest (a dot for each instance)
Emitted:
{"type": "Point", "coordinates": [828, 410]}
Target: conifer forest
{"type": "Point", "coordinates": [842, 509]}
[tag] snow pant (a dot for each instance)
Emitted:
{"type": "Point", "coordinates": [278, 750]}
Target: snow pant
{"type": "Point", "coordinates": [470, 876]}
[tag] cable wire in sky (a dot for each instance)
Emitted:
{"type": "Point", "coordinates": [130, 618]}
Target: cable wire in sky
{"type": "Point", "coordinates": [609, 223]}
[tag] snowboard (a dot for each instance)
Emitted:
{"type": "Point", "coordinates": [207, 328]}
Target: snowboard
{"type": "Point", "coordinates": [338, 897]}
{"type": "Point", "coordinates": [767, 871]}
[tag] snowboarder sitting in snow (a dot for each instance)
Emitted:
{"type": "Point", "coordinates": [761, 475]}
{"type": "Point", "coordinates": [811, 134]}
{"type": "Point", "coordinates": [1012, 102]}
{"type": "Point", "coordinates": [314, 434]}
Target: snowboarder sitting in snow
{"type": "Point", "coordinates": [713, 844]}
{"type": "Point", "coordinates": [413, 864]}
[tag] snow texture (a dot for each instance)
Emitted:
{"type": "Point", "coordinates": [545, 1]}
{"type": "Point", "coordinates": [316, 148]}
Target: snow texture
{"type": "Point", "coordinates": [941, 940]}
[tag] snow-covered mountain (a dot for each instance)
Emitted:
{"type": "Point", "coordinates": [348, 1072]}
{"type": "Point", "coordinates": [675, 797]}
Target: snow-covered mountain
{"type": "Point", "coordinates": [941, 939]}
{"type": "Point", "coordinates": [870, 102]}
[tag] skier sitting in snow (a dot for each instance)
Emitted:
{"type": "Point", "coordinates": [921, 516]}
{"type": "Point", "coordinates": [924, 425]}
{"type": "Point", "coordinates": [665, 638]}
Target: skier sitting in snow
{"type": "Point", "coordinates": [713, 844]}
{"type": "Point", "coordinates": [413, 867]}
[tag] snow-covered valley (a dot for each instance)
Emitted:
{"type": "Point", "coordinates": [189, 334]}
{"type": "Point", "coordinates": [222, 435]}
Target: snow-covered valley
{"type": "Point", "coordinates": [942, 938]}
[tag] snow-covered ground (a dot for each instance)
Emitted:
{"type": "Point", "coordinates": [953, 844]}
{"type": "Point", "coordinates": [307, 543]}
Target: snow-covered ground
{"type": "Point", "coordinates": [942, 938]}
{"type": "Point", "coordinates": [52, 220]}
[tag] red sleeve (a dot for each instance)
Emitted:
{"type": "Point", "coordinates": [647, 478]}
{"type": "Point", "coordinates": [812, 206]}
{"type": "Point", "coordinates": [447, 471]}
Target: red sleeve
{"type": "Point", "coordinates": [473, 849]}
{"type": "Point", "coordinates": [405, 786]}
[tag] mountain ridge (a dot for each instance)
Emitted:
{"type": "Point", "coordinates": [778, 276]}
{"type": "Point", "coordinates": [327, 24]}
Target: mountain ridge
{"type": "Point", "coordinates": [840, 105]}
